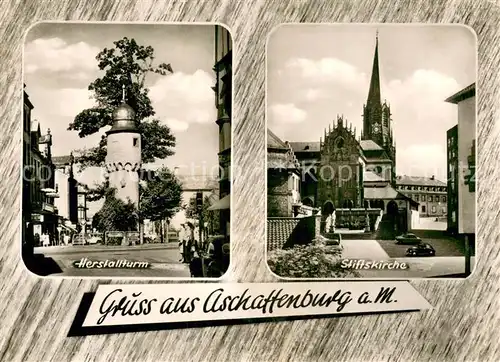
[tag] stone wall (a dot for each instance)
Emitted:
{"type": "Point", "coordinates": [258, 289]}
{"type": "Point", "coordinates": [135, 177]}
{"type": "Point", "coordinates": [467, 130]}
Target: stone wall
{"type": "Point", "coordinates": [278, 194]}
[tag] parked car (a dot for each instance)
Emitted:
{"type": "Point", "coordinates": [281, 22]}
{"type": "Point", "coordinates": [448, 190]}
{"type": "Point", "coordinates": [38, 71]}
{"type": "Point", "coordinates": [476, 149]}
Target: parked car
{"type": "Point", "coordinates": [408, 238]}
{"type": "Point", "coordinates": [422, 249]}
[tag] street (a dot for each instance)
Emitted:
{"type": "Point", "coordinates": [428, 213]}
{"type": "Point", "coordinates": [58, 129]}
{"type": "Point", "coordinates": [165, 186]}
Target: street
{"type": "Point", "coordinates": [450, 263]}
{"type": "Point", "coordinates": [163, 259]}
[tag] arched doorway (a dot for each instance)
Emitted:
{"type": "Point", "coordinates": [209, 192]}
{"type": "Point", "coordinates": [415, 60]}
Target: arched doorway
{"type": "Point", "coordinates": [392, 208]}
{"type": "Point", "coordinates": [392, 213]}
{"type": "Point", "coordinates": [328, 208]}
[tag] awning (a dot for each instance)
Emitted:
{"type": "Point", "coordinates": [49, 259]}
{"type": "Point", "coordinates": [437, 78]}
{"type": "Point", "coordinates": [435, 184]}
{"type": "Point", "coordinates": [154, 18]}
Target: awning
{"type": "Point", "coordinates": [222, 204]}
{"type": "Point", "coordinates": [68, 227]}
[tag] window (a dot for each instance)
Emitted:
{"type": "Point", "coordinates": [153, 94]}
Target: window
{"type": "Point", "coordinates": [443, 198]}
{"type": "Point", "coordinates": [423, 208]}
{"type": "Point", "coordinates": [434, 209]}
{"type": "Point", "coordinates": [416, 197]}
{"type": "Point", "coordinates": [444, 210]}
{"type": "Point", "coordinates": [423, 197]}
{"type": "Point", "coordinates": [136, 142]}
{"type": "Point", "coordinates": [431, 199]}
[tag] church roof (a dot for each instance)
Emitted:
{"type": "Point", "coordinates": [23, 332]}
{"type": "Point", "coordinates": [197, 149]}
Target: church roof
{"type": "Point", "coordinates": [467, 92]}
{"type": "Point", "coordinates": [305, 146]}
{"type": "Point", "coordinates": [369, 176]}
{"type": "Point", "coordinates": [419, 181]}
{"type": "Point", "coordinates": [385, 193]}
{"type": "Point", "coordinates": [274, 141]}
{"type": "Point", "coordinates": [369, 145]}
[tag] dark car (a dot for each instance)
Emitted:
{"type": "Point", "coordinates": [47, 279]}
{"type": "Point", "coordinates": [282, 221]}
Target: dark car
{"type": "Point", "coordinates": [409, 239]}
{"type": "Point", "coordinates": [422, 249]}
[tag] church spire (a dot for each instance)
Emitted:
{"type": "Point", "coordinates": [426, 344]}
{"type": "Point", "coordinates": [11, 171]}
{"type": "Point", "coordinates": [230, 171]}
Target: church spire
{"type": "Point", "coordinates": [372, 111]}
{"type": "Point", "coordinates": [374, 92]}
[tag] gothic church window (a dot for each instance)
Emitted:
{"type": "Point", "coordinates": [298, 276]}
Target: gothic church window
{"type": "Point", "coordinates": [339, 142]}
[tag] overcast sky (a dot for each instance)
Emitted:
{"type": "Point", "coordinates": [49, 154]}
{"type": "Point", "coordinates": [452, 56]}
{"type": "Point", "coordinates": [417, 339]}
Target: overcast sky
{"type": "Point", "coordinates": [59, 63]}
{"type": "Point", "coordinates": [318, 71]}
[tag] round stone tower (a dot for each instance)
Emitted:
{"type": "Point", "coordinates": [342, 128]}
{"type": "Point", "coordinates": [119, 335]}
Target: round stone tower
{"type": "Point", "coordinates": [123, 158]}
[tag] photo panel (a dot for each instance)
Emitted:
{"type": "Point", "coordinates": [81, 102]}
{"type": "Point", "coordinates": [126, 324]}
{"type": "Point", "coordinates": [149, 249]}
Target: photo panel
{"type": "Point", "coordinates": [126, 150]}
{"type": "Point", "coordinates": [371, 133]}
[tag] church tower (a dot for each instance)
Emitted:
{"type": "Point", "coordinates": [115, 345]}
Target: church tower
{"type": "Point", "coordinates": [123, 158]}
{"type": "Point", "coordinates": [377, 122]}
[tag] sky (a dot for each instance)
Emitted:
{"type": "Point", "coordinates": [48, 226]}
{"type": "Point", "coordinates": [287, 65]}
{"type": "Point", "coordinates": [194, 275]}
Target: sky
{"type": "Point", "coordinates": [316, 72]}
{"type": "Point", "coordinates": [59, 64]}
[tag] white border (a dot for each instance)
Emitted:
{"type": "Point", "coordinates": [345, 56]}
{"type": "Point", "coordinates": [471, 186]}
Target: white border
{"type": "Point", "coordinates": [385, 25]}
{"type": "Point", "coordinates": [227, 275]}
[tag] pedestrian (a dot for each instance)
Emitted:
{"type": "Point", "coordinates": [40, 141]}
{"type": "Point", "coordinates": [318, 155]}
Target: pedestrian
{"type": "Point", "coordinates": [45, 240]}
{"type": "Point", "coordinates": [183, 236]}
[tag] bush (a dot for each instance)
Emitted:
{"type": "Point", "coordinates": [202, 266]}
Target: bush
{"type": "Point", "coordinates": [310, 261]}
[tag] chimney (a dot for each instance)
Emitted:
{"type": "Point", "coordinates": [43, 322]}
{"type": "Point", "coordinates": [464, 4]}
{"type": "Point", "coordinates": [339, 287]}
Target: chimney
{"type": "Point", "coordinates": [433, 178]}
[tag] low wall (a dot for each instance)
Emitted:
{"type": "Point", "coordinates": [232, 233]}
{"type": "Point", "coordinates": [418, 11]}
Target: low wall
{"type": "Point", "coordinates": [355, 219]}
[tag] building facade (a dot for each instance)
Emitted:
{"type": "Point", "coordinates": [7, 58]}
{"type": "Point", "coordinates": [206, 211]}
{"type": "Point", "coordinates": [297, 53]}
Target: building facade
{"type": "Point", "coordinates": [429, 192]}
{"type": "Point", "coordinates": [283, 179]}
{"type": "Point", "coordinates": [462, 162]}
{"type": "Point", "coordinates": [72, 203]}
{"type": "Point", "coordinates": [223, 90]}
{"type": "Point", "coordinates": [341, 167]}
{"type": "Point", "coordinates": [452, 172]}
{"type": "Point", "coordinates": [38, 184]}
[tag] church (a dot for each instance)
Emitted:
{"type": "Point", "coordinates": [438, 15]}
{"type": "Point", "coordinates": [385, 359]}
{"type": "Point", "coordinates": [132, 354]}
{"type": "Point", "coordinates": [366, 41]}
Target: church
{"type": "Point", "coordinates": [341, 172]}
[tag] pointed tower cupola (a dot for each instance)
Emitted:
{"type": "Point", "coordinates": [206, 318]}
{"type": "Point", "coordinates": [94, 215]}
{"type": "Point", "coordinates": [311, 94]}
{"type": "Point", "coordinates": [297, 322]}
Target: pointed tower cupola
{"type": "Point", "coordinates": [374, 98]}
{"type": "Point", "coordinates": [123, 117]}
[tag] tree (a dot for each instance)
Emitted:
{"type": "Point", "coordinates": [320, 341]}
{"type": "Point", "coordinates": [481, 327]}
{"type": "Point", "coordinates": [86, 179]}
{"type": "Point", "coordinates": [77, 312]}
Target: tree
{"type": "Point", "coordinates": [115, 214]}
{"type": "Point", "coordinates": [128, 64]}
{"type": "Point", "coordinates": [161, 197]}
{"type": "Point", "coordinates": [210, 217]}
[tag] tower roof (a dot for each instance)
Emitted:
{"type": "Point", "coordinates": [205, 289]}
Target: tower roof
{"type": "Point", "coordinates": [123, 118]}
{"type": "Point", "coordinates": [374, 92]}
